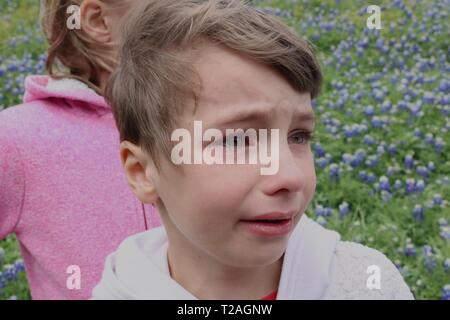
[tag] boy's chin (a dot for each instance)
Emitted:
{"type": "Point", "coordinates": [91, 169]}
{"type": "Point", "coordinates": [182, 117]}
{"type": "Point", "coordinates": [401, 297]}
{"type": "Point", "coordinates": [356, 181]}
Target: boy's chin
{"type": "Point", "coordinates": [259, 257]}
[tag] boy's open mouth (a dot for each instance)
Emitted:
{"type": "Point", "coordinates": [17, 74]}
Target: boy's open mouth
{"type": "Point", "coordinates": [277, 221]}
{"type": "Point", "coordinates": [273, 217]}
{"type": "Point", "coordinates": [269, 225]}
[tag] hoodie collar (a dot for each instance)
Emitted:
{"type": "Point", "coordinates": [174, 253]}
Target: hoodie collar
{"type": "Point", "coordinates": [307, 264]}
{"type": "Point", "coordinates": [139, 268]}
{"type": "Point", "coordinates": [73, 91]}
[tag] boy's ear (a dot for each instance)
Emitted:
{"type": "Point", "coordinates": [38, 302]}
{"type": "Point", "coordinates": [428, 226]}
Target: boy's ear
{"type": "Point", "coordinates": [135, 163]}
{"type": "Point", "coordinates": [95, 20]}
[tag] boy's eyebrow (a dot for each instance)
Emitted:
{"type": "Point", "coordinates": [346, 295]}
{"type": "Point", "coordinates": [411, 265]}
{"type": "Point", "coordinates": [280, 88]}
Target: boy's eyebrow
{"type": "Point", "coordinates": [254, 115]}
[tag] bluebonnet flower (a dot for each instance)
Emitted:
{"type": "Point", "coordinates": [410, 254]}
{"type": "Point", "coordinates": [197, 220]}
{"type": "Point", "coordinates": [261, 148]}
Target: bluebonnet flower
{"type": "Point", "coordinates": [3, 282]}
{"type": "Point", "coordinates": [318, 150]}
{"type": "Point", "coordinates": [343, 209]}
{"type": "Point", "coordinates": [384, 183]}
{"type": "Point", "coordinates": [447, 264]}
{"type": "Point", "coordinates": [410, 250]}
{"type": "Point", "coordinates": [288, 14]}
{"type": "Point", "coordinates": [15, 92]}
{"type": "Point", "coordinates": [403, 270]}
{"type": "Point", "coordinates": [355, 161]}
{"type": "Point", "coordinates": [331, 129]}
{"type": "Point", "coordinates": [371, 178]}
{"type": "Point", "coordinates": [368, 140]}
{"type": "Point", "coordinates": [323, 211]}
{"type": "Point", "coordinates": [321, 220]}
{"type": "Point", "coordinates": [418, 212]}
{"type": "Point", "coordinates": [386, 106]}
{"type": "Point", "coordinates": [380, 150]}
{"type": "Point", "coordinates": [357, 96]}
{"type": "Point", "coordinates": [444, 86]}
{"type": "Point", "coordinates": [13, 67]}
{"type": "Point", "coordinates": [420, 185]}
{"type": "Point", "coordinates": [445, 294]}
{"type": "Point", "coordinates": [386, 195]}
{"type": "Point", "coordinates": [377, 122]}
{"type": "Point", "coordinates": [9, 273]}
{"type": "Point", "coordinates": [362, 175]}
{"type": "Point", "coordinates": [392, 149]}
{"type": "Point", "coordinates": [347, 158]}
{"type": "Point", "coordinates": [422, 171]}
{"type": "Point", "coordinates": [442, 222]}
{"type": "Point", "coordinates": [372, 161]}
{"type": "Point", "coordinates": [335, 171]}
{"type": "Point", "coordinates": [439, 145]}
{"type": "Point", "coordinates": [431, 166]}
{"type": "Point", "coordinates": [429, 258]}
{"type": "Point", "coordinates": [437, 199]}
{"type": "Point", "coordinates": [19, 266]}
{"type": "Point", "coordinates": [378, 95]}
{"type": "Point", "coordinates": [394, 79]}
{"type": "Point", "coordinates": [409, 161]}
{"type": "Point", "coordinates": [429, 138]}
{"type": "Point", "coordinates": [379, 43]}
{"type": "Point", "coordinates": [416, 110]}
{"type": "Point", "coordinates": [360, 154]}
{"type": "Point", "coordinates": [417, 132]}
{"type": "Point", "coordinates": [398, 184]}
{"type": "Point", "coordinates": [428, 98]}
{"type": "Point", "coordinates": [350, 131]}
{"type": "Point", "coordinates": [369, 111]}
{"type": "Point", "coordinates": [410, 185]}
{"type": "Point", "coordinates": [445, 232]}
{"type": "Point", "coordinates": [322, 162]}
{"type": "Point", "coordinates": [390, 171]}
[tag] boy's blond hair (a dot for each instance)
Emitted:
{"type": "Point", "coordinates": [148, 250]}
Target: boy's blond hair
{"type": "Point", "coordinates": [155, 75]}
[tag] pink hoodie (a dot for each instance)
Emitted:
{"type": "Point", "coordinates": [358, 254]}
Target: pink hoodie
{"type": "Point", "coordinates": [62, 188]}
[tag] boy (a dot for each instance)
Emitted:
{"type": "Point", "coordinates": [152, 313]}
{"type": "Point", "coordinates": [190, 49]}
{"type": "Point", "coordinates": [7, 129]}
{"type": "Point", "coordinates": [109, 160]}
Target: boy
{"type": "Point", "coordinates": [230, 232]}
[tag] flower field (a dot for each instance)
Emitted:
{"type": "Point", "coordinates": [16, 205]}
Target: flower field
{"type": "Point", "coordinates": [382, 141]}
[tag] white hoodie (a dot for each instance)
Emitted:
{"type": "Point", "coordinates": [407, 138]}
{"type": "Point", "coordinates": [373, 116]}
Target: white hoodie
{"type": "Point", "coordinates": [317, 265]}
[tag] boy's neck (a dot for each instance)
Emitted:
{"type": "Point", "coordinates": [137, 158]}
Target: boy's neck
{"type": "Point", "coordinates": [209, 279]}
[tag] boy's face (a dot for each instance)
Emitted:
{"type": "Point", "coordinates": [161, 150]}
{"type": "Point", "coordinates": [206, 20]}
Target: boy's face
{"type": "Point", "coordinates": [204, 207]}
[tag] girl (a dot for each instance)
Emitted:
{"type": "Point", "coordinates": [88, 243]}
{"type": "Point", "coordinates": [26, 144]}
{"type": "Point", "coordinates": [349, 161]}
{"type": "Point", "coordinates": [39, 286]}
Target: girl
{"type": "Point", "coordinates": [62, 190]}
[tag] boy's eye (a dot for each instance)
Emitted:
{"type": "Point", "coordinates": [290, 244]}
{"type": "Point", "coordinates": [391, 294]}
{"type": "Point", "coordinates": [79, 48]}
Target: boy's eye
{"type": "Point", "coordinates": [301, 137]}
{"type": "Point", "coordinates": [236, 141]}
{"type": "Point", "coordinates": [298, 137]}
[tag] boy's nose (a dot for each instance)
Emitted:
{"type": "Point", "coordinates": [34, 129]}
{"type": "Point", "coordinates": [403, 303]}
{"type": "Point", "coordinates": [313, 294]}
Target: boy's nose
{"type": "Point", "coordinates": [290, 176]}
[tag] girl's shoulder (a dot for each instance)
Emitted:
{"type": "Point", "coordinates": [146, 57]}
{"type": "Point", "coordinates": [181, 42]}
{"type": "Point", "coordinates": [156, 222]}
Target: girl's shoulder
{"type": "Point", "coordinates": [45, 97]}
{"type": "Point", "coordinates": [21, 124]}
{"type": "Point", "coordinates": [360, 272]}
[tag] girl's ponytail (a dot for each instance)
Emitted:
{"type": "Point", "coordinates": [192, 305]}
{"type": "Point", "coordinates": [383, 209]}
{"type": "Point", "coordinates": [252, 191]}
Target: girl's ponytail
{"type": "Point", "coordinates": [72, 53]}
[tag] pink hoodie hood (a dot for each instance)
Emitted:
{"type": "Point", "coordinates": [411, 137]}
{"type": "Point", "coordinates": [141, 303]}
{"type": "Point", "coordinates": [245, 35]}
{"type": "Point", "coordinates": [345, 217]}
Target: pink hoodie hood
{"type": "Point", "coordinates": [62, 187]}
{"type": "Point", "coordinates": [74, 91]}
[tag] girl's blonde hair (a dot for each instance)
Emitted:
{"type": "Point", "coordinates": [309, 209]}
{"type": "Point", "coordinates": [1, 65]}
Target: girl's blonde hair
{"type": "Point", "coordinates": [73, 53]}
